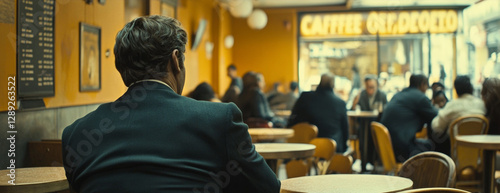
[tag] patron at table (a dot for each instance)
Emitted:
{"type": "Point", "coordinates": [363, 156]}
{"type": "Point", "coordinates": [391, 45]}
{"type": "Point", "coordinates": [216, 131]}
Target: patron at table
{"type": "Point", "coordinates": [325, 110]}
{"type": "Point", "coordinates": [152, 139]}
{"type": "Point", "coordinates": [405, 115]}
{"type": "Point", "coordinates": [491, 97]}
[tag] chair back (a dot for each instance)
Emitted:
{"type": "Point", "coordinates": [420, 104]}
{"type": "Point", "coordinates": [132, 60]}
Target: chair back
{"type": "Point", "coordinates": [296, 168]}
{"type": "Point", "coordinates": [323, 154]}
{"type": "Point", "coordinates": [467, 160]}
{"type": "Point", "coordinates": [341, 164]}
{"type": "Point", "coordinates": [383, 144]}
{"type": "Point", "coordinates": [439, 170]}
{"type": "Point", "coordinates": [436, 190]}
{"type": "Point", "coordinates": [303, 133]}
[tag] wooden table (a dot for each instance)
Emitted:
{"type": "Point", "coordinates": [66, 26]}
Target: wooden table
{"type": "Point", "coordinates": [39, 179]}
{"type": "Point", "coordinates": [274, 151]}
{"type": "Point", "coordinates": [490, 144]}
{"type": "Point", "coordinates": [346, 183]}
{"type": "Point", "coordinates": [259, 134]}
{"type": "Point", "coordinates": [365, 115]}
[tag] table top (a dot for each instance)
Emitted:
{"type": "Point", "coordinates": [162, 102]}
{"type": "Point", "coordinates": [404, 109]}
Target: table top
{"type": "Point", "coordinates": [489, 142]}
{"type": "Point", "coordinates": [346, 183]}
{"type": "Point", "coordinates": [284, 150]}
{"type": "Point", "coordinates": [269, 133]}
{"type": "Point", "coordinates": [38, 179]}
{"type": "Point", "coordinates": [363, 114]}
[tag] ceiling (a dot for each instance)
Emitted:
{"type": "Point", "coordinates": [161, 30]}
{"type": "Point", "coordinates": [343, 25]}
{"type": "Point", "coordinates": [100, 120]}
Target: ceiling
{"type": "Point", "coordinates": [358, 3]}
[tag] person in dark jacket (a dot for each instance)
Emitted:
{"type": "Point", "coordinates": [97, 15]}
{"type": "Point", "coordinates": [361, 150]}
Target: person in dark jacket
{"type": "Point", "coordinates": [491, 97]}
{"type": "Point", "coordinates": [325, 110]}
{"type": "Point", "coordinates": [203, 92]}
{"type": "Point", "coordinates": [253, 103]}
{"type": "Point", "coordinates": [152, 139]}
{"type": "Point", "coordinates": [405, 115]}
{"type": "Point", "coordinates": [234, 90]}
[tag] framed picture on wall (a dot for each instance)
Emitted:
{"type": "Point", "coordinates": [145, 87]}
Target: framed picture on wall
{"type": "Point", "coordinates": [169, 8]}
{"type": "Point", "coordinates": [90, 58]}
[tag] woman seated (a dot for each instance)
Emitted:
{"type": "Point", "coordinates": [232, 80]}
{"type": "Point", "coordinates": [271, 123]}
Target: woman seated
{"type": "Point", "coordinates": [253, 104]}
{"type": "Point", "coordinates": [203, 92]}
{"type": "Point", "coordinates": [491, 98]}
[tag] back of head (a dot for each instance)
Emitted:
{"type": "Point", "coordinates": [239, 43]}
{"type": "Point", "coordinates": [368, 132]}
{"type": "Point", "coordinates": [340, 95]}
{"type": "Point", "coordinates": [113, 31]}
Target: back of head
{"type": "Point", "coordinates": [369, 77]}
{"type": "Point", "coordinates": [491, 93]}
{"type": "Point", "coordinates": [293, 86]}
{"type": "Point", "coordinates": [231, 67]}
{"type": "Point", "coordinates": [416, 80]}
{"type": "Point", "coordinates": [250, 80]}
{"type": "Point", "coordinates": [327, 81]}
{"type": "Point", "coordinates": [437, 86]}
{"type": "Point", "coordinates": [203, 92]}
{"type": "Point", "coordinates": [462, 85]}
{"type": "Point", "coordinates": [144, 48]}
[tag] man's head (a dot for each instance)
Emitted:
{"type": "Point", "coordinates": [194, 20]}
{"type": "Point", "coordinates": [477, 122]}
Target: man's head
{"type": "Point", "coordinates": [293, 86]}
{"type": "Point", "coordinates": [419, 81]}
{"type": "Point", "coordinates": [462, 85]}
{"type": "Point", "coordinates": [327, 81]}
{"type": "Point", "coordinates": [253, 80]}
{"type": "Point", "coordinates": [370, 84]}
{"type": "Point", "coordinates": [231, 71]}
{"type": "Point", "coordinates": [437, 86]}
{"type": "Point", "coordinates": [152, 47]}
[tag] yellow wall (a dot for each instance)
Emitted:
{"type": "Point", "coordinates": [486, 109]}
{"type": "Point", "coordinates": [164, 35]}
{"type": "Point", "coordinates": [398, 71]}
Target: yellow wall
{"type": "Point", "coordinates": [271, 51]}
{"type": "Point", "coordinates": [8, 59]}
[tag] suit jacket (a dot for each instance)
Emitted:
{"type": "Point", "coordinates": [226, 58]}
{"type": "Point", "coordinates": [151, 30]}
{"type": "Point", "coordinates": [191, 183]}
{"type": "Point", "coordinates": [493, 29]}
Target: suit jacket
{"type": "Point", "coordinates": [154, 140]}
{"type": "Point", "coordinates": [404, 116]}
{"type": "Point", "coordinates": [364, 100]}
{"type": "Point", "coordinates": [325, 110]}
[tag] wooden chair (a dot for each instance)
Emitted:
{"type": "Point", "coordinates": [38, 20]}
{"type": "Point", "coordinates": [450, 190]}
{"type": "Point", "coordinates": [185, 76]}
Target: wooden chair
{"type": "Point", "coordinates": [429, 169]}
{"type": "Point", "coordinates": [303, 133]}
{"type": "Point", "coordinates": [383, 144]}
{"type": "Point", "coordinates": [325, 149]}
{"type": "Point", "coordinates": [296, 168]}
{"type": "Point", "coordinates": [468, 160]}
{"type": "Point", "coordinates": [435, 190]}
{"type": "Point", "coordinates": [340, 164]}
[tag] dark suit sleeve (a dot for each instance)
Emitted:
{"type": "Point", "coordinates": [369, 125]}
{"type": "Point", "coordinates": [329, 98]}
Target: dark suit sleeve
{"type": "Point", "coordinates": [247, 169]}
{"type": "Point", "coordinates": [426, 110]}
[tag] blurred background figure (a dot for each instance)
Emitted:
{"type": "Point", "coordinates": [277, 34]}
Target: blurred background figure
{"type": "Point", "coordinates": [203, 92]}
{"type": "Point", "coordinates": [491, 98]}
{"type": "Point", "coordinates": [439, 99]}
{"type": "Point", "coordinates": [437, 86]}
{"type": "Point", "coordinates": [325, 110]}
{"type": "Point", "coordinates": [286, 101]}
{"type": "Point", "coordinates": [253, 104]}
{"type": "Point", "coordinates": [371, 98]}
{"type": "Point", "coordinates": [231, 94]}
{"type": "Point", "coordinates": [275, 91]}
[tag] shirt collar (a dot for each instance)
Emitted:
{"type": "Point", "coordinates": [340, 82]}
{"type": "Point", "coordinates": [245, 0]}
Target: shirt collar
{"type": "Point", "coordinates": [152, 80]}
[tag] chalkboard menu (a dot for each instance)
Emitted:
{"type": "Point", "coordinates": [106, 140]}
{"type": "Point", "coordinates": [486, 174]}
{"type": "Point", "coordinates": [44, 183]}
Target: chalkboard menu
{"type": "Point", "coordinates": [35, 48]}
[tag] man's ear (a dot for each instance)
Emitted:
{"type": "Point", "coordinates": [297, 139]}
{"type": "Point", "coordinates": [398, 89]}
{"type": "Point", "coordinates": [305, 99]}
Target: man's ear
{"type": "Point", "coordinates": [176, 68]}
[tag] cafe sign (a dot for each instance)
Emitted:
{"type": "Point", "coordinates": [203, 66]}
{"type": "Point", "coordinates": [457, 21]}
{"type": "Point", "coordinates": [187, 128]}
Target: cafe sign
{"type": "Point", "coordinates": [378, 22]}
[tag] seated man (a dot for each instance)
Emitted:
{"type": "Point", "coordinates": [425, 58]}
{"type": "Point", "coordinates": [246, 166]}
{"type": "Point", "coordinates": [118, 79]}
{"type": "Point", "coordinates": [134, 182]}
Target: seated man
{"type": "Point", "coordinates": [152, 139]}
{"type": "Point", "coordinates": [405, 115]}
{"type": "Point", "coordinates": [325, 110]}
{"type": "Point", "coordinates": [464, 105]}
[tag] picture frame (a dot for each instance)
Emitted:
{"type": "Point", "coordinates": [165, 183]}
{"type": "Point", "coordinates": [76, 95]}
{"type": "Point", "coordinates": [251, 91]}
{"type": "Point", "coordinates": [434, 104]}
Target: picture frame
{"type": "Point", "coordinates": [90, 58]}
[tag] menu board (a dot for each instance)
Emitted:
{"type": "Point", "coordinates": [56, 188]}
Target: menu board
{"type": "Point", "coordinates": [35, 48]}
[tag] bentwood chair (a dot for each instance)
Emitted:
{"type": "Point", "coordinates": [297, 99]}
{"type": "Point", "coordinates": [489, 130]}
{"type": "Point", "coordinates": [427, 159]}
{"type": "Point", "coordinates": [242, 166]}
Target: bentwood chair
{"type": "Point", "coordinates": [383, 144]}
{"type": "Point", "coordinates": [325, 149]}
{"type": "Point", "coordinates": [303, 133]}
{"type": "Point", "coordinates": [429, 169]}
{"type": "Point", "coordinates": [436, 190]}
{"type": "Point", "coordinates": [468, 160]}
{"type": "Point", "coordinates": [341, 164]}
{"type": "Point", "coordinates": [296, 168]}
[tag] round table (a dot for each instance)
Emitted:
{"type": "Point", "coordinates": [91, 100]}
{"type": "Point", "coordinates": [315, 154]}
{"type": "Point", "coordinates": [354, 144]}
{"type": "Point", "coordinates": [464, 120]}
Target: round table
{"type": "Point", "coordinates": [39, 179]}
{"type": "Point", "coordinates": [490, 144]}
{"type": "Point", "coordinates": [274, 151]}
{"type": "Point", "coordinates": [365, 116]}
{"type": "Point", "coordinates": [346, 183]}
{"type": "Point", "coordinates": [259, 134]}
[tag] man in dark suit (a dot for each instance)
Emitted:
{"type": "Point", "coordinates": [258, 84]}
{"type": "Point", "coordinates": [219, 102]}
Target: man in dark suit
{"type": "Point", "coordinates": [325, 110]}
{"type": "Point", "coordinates": [236, 86]}
{"type": "Point", "coordinates": [152, 139]}
{"type": "Point", "coordinates": [405, 115]}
